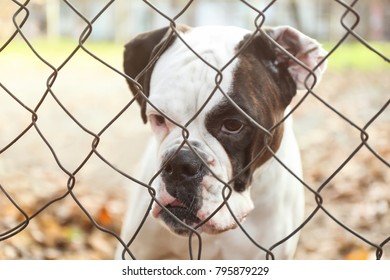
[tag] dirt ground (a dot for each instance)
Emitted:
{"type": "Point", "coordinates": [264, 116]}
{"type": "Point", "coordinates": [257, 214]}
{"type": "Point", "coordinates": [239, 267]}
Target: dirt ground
{"type": "Point", "coordinates": [358, 196]}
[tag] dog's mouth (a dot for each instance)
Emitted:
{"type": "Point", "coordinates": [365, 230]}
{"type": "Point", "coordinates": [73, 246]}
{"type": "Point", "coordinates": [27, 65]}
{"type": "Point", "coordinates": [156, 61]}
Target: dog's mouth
{"type": "Point", "coordinates": [178, 217]}
{"type": "Point", "coordinates": [184, 221]}
{"type": "Point", "coordinates": [184, 215]}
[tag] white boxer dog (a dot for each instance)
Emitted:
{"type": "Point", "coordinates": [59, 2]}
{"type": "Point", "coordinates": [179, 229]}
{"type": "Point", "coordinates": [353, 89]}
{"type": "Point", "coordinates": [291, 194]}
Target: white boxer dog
{"type": "Point", "coordinates": [214, 165]}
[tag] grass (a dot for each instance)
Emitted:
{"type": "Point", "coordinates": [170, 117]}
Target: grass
{"type": "Point", "coordinates": [359, 57]}
{"type": "Point", "coordinates": [56, 51]}
{"type": "Point", "coordinates": [347, 56]}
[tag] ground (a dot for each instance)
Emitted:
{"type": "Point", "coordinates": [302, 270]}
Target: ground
{"type": "Point", "coordinates": [358, 196]}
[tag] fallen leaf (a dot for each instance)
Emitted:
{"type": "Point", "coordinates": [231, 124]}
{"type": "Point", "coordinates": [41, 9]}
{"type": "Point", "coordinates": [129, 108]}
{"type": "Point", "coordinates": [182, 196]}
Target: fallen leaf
{"type": "Point", "coordinates": [104, 217]}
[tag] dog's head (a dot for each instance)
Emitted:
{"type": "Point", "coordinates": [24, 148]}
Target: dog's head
{"type": "Point", "coordinates": [214, 97]}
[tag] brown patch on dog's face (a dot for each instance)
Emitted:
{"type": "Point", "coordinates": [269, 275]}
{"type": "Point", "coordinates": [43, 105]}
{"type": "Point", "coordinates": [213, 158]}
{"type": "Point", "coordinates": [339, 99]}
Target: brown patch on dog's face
{"type": "Point", "coordinates": [263, 90]}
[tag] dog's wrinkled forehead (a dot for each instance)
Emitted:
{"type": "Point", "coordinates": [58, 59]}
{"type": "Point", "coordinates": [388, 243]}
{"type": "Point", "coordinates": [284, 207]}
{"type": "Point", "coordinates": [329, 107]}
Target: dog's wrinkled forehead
{"type": "Point", "coordinates": [184, 78]}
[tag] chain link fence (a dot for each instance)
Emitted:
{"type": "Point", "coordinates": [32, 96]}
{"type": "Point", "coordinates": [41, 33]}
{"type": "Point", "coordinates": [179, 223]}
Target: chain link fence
{"type": "Point", "coordinates": [71, 139]}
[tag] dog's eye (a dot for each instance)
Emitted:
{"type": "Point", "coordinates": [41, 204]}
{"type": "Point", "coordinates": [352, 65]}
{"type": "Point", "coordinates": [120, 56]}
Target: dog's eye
{"type": "Point", "coordinates": [157, 120]}
{"type": "Point", "coordinates": [232, 126]}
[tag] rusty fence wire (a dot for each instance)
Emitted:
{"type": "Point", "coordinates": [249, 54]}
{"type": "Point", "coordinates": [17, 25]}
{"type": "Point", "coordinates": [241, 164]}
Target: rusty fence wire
{"type": "Point", "coordinates": [349, 21]}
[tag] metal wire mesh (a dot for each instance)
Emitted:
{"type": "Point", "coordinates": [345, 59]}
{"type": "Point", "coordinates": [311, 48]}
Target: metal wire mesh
{"type": "Point", "coordinates": [21, 19]}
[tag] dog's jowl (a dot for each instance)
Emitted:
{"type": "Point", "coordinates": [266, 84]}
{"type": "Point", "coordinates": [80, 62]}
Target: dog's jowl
{"type": "Point", "coordinates": [216, 99]}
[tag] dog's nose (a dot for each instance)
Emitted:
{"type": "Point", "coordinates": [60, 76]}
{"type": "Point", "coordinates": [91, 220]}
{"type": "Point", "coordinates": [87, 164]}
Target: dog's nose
{"type": "Point", "coordinates": [183, 166]}
{"type": "Point", "coordinates": [183, 174]}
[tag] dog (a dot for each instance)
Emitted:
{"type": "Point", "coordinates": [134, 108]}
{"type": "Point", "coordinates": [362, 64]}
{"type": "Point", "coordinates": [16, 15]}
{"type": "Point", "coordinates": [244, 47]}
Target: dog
{"type": "Point", "coordinates": [223, 163]}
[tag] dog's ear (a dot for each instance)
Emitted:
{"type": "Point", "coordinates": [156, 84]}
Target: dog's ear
{"type": "Point", "coordinates": [304, 48]}
{"type": "Point", "coordinates": [137, 55]}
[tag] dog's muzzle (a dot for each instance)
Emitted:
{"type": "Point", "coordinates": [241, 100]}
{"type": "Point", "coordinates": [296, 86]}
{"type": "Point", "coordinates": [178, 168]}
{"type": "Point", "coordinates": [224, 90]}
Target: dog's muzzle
{"type": "Point", "coordinates": [182, 174]}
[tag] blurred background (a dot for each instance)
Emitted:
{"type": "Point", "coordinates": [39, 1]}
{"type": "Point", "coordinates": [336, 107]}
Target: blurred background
{"type": "Point", "coordinates": [318, 18]}
{"type": "Point", "coordinates": [356, 85]}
